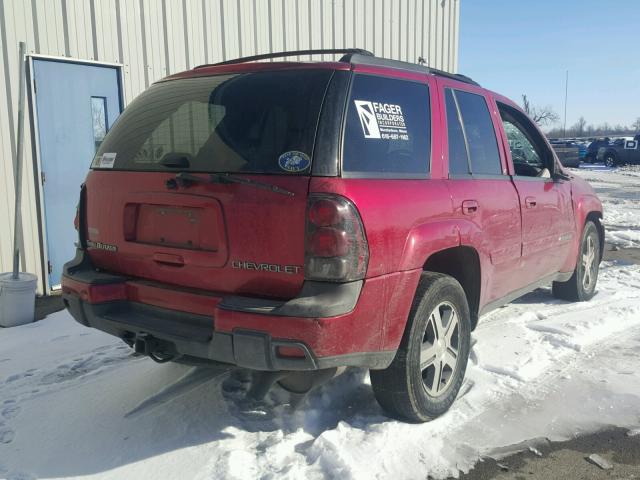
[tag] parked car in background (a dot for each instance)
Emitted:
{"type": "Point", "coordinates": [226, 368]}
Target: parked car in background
{"type": "Point", "coordinates": [568, 152]}
{"type": "Point", "coordinates": [593, 147]}
{"type": "Point", "coordinates": [293, 218]}
{"type": "Point", "coordinates": [620, 152]}
{"type": "Point", "coordinates": [582, 150]}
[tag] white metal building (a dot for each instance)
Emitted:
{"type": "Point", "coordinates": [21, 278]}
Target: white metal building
{"type": "Point", "coordinates": [136, 42]}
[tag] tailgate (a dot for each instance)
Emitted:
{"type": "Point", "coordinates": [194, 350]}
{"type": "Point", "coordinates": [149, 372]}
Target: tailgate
{"type": "Point", "coordinates": [211, 232]}
{"type": "Point", "coordinates": [223, 238]}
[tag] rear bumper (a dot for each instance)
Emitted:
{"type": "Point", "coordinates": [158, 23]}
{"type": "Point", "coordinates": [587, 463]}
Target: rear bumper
{"type": "Point", "coordinates": [326, 325]}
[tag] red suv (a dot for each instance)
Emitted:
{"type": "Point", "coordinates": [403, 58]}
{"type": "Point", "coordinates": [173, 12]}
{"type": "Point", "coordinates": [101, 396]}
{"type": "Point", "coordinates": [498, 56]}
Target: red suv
{"type": "Point", "coordinates": [296, 217]}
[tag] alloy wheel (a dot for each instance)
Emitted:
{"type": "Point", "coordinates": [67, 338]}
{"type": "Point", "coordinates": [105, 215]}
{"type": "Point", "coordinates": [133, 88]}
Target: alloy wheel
{"type": "Point", "coordinates": [589, 264]}
{"type": "Point", "coordinates": [439, 350]}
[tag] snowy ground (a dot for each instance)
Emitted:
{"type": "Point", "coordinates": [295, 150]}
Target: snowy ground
{"type": "Point", "coordinates": [75, 403]}
{"type": "Point", "coordinates": [620, 191]}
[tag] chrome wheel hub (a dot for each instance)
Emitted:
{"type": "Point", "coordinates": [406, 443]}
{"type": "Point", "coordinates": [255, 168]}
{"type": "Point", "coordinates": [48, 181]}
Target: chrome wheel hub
{"type": "Point", "coordinates": [589, 264]}
{"type": "Point", "coordinates": [439, 350]}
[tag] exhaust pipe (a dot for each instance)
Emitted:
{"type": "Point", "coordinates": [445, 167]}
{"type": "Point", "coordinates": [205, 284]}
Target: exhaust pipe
{"type": "Point", "coordinates": [304, 382]}
{"type": "Point", "coordinates": [298, 384]}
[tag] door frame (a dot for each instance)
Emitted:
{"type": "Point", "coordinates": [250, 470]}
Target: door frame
{"type": "Point", "coordinates": [35, 147]}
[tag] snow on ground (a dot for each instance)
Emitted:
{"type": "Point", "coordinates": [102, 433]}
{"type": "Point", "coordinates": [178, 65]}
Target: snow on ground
{"type": "Point", "coordinates": [619, 188]}
{"type": "Point", "coordinates": [74, 402]}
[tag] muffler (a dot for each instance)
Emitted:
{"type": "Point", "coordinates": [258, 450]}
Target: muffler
{"type": "Point", "coordinates": [299, 384]}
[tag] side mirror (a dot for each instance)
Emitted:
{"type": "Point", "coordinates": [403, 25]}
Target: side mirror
{"type": "Point", "coordinates": [559, 175]}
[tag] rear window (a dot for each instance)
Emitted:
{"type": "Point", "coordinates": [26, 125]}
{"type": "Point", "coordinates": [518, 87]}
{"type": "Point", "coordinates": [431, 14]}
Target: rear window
{"type": "Point", "coordinates": [263, 122]}
{"type": "Point", "coordinates": [387, 131]}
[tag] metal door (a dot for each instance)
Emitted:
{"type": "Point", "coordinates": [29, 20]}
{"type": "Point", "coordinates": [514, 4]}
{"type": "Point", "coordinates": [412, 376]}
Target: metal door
{"type": "Point", "coordinates": [76, 104]}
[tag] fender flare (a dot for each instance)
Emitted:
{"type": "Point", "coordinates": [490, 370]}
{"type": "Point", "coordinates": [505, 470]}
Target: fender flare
{"type": "Point", "coordinates": [426, 239]}
{"type": "Point", "coordinates": [584, 205]}
{"type": "Point", "coordinates": [429, 238]}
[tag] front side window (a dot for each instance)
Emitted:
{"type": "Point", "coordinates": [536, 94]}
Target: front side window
{"type": "Point", "coordinates": [260, 122]}
{"type": "Point", "coordinates": [530, 156]}
{"type": "Point", "coordinates": [387, 130]}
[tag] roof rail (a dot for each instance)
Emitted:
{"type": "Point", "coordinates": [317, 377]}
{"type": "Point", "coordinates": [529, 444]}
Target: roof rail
{"type": "Point", "coordinates": [357, 59]}
{"type": "Point", "coordinates": [355, 56]}
{"type": "Point", "coordinates": [347, 51]}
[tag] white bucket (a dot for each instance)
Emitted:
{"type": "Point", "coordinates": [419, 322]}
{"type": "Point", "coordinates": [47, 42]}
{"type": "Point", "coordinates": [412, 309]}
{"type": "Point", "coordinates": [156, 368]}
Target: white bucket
{"type": "Point", "coordinates": [17, 299]}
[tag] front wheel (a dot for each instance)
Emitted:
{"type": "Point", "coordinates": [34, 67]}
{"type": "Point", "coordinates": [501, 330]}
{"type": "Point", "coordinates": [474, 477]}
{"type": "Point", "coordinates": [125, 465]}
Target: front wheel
{"type": "Point", "coordinates": [610, 160]}
{"type": "Point", "coordinates": [424, 378]}
{"type": "Point", "coordinates": [582, 284]}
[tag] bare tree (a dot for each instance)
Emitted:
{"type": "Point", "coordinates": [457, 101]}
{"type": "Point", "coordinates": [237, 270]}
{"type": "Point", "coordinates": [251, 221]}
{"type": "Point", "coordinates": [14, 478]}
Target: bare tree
{"type": "Point", "coordinates": [579, 127]}
{"type": "Point", "coordinates": [540, 115]}
{"type": "Point", "coordinates": [636, 125]}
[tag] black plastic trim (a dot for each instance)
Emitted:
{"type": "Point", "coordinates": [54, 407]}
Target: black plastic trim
{"type": "Point", "coordinates": [179, 334]}
{"type": "Point", "coordinates": [172, 324]}
{"type": "Point", "coordinates": [349, 53]}
{"type": "Point", "coordinates": [388, 175]}
{"type": "Point", "coordinates": [315, 300]}
{"type": "Point", "coordinates": [82, 217]}
{"type": "Point", "coordinates": [357, 59]}
{"type": "Point", "coordinates": [327, 142]}
{"type": "Point", "coordinates": [372, 360]}
{"type": "Point", "coordinates": [527, 178]}
{"type": "Point", "coordinates": [555, 277]}
{"type": "Point", "coordinates": [81, 269]}
{"type": "Point", "coordinates": [478, 176]}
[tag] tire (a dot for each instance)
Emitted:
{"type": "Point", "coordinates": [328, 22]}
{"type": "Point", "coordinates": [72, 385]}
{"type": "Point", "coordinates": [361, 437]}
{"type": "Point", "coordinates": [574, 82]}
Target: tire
{"type": "Point", "coordinates": [409, 391]}
{"type": "Point", "coordinates": [610, 160]}
{"type": "Point", "coordinates": [577, 288]}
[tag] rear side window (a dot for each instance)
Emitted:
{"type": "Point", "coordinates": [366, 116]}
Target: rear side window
{"type": "Point", "coordinates": [263, 122]}
{"type": "Point", "coordinates": [481, 146]}
{"type": "Point", "coordinates": [458, 159]}
{"type": "Point", "coordinates": [387, 130]}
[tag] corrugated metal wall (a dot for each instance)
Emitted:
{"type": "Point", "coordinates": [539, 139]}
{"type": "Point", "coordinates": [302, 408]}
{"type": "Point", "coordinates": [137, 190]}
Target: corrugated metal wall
{"type": "Point", "coordinates": [155, 38]}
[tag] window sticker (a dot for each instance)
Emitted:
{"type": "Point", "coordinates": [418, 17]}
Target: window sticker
{"type": "Point", "coordinates": [106, 160]}
{"type": "Point", "coordinates": [294, 161]}
{"type": "Point", "coordinates": [381, 120]}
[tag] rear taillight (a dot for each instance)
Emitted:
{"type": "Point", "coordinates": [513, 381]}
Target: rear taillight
{"type": "Point", "coordinates": [336, 248]}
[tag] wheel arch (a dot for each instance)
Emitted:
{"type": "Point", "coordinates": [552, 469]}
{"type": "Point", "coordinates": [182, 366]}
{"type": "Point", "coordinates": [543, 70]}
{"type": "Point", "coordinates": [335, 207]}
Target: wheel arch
{"type": "Point", "coordinates": [596, 217]}
{"type": "Point", "coordinates": [462, 263]}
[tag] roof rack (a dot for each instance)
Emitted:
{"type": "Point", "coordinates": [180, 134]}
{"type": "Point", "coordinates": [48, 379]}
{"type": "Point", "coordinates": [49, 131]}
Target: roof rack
{"type": "Point", "coordinates": [357, 59]}
{"type": "Point", "coordinates": [332, 51]}
{"type": "Point", "coordinates": [354, 56]}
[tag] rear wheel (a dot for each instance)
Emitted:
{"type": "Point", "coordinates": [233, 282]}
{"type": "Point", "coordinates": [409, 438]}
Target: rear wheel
{"type": "Point", "coordinates": [427, 372]}
{"type": "Point", "coordinates": [582, 284]}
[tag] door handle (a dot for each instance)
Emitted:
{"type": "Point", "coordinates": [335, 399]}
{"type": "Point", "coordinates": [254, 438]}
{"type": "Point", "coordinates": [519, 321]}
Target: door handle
{"type": "Point", "coordinates": [530, 202]}
{"type": "Point", "coordinates": [470, 207]}
{"type": "Point", "coordinates": [168, 259]}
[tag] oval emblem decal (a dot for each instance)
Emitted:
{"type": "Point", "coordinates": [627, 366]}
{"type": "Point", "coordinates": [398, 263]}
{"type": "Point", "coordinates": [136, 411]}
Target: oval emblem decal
{"type": "Point", "coordinates": [294, 161]}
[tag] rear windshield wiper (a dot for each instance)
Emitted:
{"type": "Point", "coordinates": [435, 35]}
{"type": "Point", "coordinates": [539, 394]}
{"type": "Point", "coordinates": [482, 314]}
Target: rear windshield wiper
{"type": "Point", "coordinates": [184, 180]}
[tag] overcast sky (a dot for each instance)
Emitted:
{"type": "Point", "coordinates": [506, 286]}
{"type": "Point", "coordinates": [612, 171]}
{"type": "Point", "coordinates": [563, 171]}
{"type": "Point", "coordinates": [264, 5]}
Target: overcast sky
{"type": "Point", "coordinates": [526, 46]}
